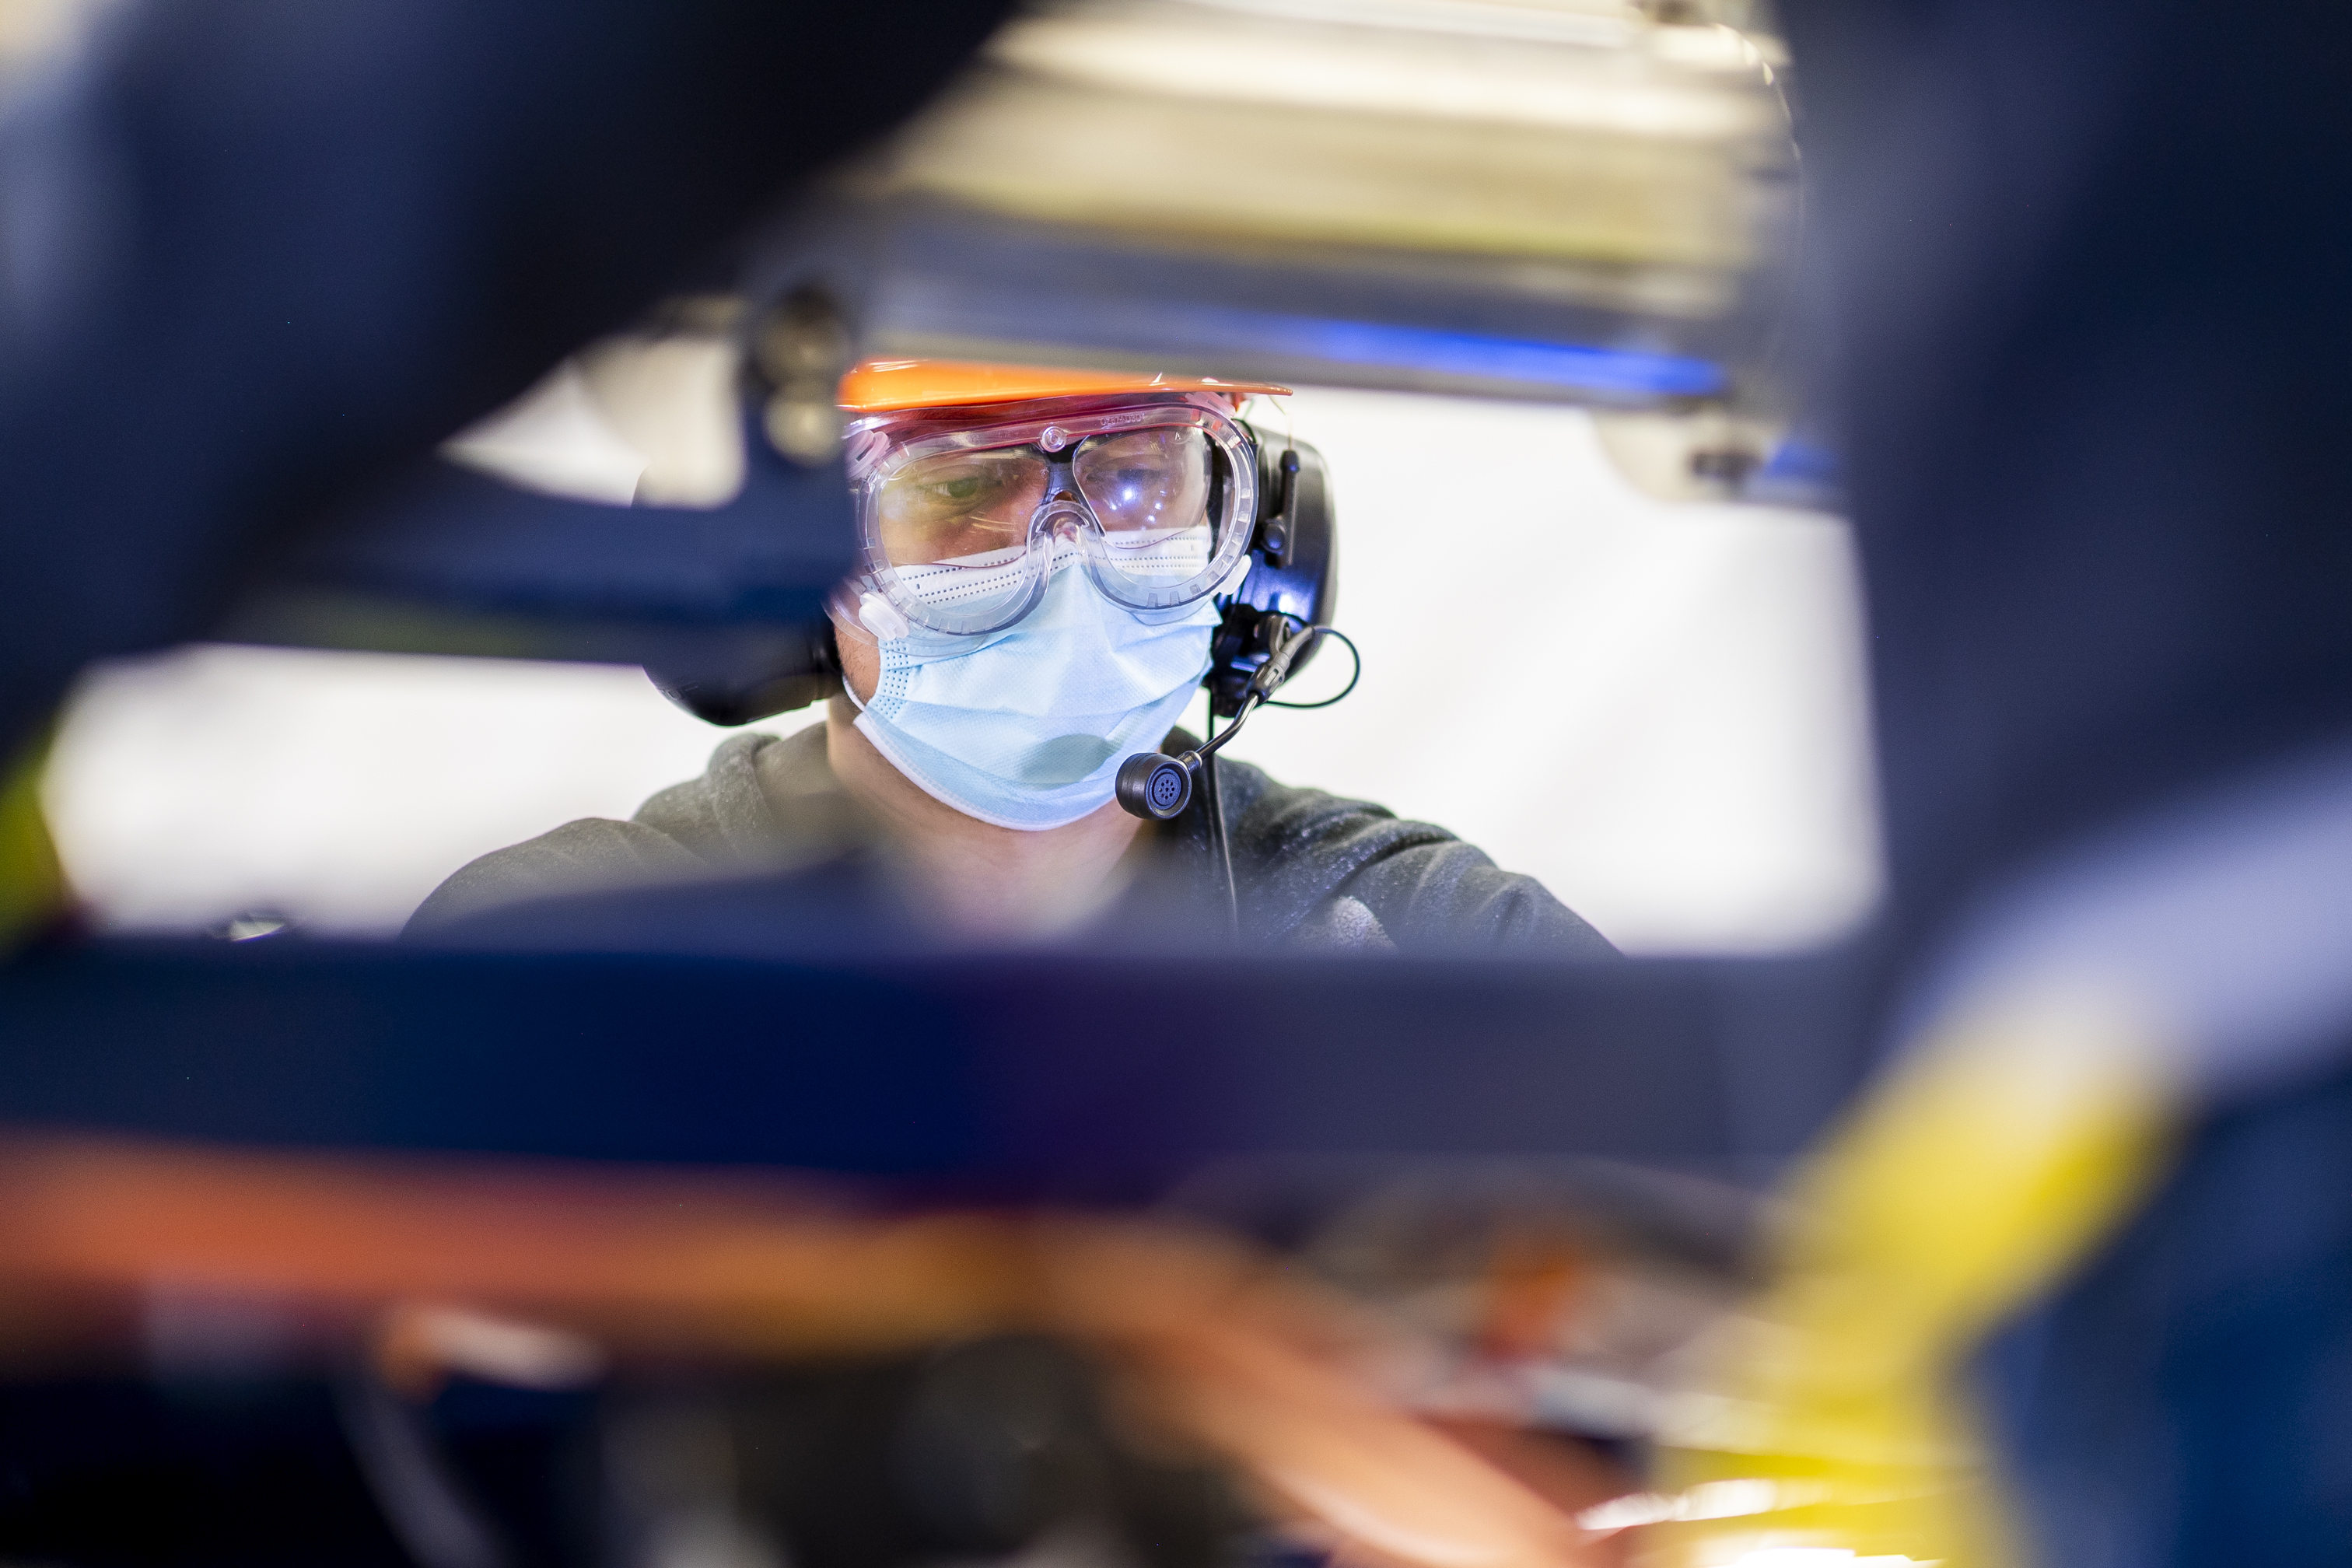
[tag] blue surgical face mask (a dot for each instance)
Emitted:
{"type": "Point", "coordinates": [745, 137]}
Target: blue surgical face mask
{"type": "Point", "coordinates": [1026, 727]}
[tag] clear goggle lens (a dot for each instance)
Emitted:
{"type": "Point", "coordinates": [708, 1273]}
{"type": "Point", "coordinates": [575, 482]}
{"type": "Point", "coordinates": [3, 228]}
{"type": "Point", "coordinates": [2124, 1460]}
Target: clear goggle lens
{"type": "Point", "coordinates": [967, 536]}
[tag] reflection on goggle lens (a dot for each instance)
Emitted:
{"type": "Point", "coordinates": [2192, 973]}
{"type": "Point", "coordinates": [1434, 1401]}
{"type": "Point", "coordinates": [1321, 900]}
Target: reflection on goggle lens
{"type": "Point", "coordinates": [1149, 489]}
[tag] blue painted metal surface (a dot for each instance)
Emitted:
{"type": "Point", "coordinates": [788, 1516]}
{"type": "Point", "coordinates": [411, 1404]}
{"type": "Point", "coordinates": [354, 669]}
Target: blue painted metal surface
{"type": "Point", "coordinates": [1041, 1073]}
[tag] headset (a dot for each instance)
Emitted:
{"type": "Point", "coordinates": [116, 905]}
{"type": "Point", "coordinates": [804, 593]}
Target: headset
{"type": "Point", "coordinates": [1272, 624]}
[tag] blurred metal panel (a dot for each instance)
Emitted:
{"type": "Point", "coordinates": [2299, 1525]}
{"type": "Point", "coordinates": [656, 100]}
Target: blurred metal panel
{"type": "Point", "coordinates": [1561, 200]}
{"type": "Point", "coordinates": [446, 560]}
{"type": "Point", "coordinates": [1024, 1074]}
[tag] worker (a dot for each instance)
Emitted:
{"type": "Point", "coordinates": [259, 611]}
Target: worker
{"type": "Point", "coordinates": [1045, 557]}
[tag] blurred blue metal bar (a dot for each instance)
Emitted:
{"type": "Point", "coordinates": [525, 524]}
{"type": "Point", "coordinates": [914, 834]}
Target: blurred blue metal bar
{"type": "Point", "coordinates": [1011, 1075]}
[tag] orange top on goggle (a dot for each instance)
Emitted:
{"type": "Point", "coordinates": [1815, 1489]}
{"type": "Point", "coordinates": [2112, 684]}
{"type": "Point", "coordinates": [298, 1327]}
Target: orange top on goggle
{"type": "Point", "coordinates": [882, 385]}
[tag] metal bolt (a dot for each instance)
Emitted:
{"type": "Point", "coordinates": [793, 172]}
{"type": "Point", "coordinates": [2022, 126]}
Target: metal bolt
{"type": "Point", "coordinates": [806, 430]}
{"type": "Point", "coordinates": [802, 347]}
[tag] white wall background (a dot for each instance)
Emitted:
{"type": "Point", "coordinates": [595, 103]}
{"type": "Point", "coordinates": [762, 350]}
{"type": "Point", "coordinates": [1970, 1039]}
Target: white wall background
{"type": "Point", "coordinates": [1656, 708]}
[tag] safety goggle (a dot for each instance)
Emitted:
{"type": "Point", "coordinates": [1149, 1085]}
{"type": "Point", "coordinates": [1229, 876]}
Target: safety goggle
{"type": "Point", "coordinates": [963, 528]}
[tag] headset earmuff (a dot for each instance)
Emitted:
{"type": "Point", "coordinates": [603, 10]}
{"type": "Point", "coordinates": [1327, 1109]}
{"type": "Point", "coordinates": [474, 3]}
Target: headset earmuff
{"type": "Point", "coordinates": [1294, 576]}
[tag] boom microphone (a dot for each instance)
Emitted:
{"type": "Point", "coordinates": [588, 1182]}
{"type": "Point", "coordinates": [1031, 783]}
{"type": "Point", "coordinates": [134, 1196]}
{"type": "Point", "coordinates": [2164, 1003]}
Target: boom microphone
{"type": "Point", "coordinates": [1157, 786]}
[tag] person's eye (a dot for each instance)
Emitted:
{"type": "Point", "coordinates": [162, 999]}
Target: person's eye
{"type": "Point", "coordinates": [958, 490]}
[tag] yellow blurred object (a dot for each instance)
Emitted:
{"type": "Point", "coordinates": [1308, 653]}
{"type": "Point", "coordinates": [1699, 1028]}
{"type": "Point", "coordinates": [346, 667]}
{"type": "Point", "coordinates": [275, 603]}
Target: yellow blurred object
{"type": "Point", "coordinates": [32, 882]}
{"type": "Point", "coordinates": [1986, 1166]}
{"type": "Point", "coordinates": [882, 385]}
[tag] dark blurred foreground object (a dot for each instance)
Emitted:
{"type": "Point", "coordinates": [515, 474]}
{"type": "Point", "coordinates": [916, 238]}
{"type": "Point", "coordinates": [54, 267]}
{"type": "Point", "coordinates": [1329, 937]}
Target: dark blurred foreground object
{"type": "Point", "coordinates": [975, 1449]}
{"type": "Point", "coordinates": [2088, 263]}
{"type": "Point", "coordinates": [940, 1081]}
{"type": "Point", "coordinates": [746, 1373]}
{"type": "Point", "coordinates": [2086, 267]}
{"type": "Point", "coordinates": [263, 256]}
{"type": "Point", "coordinates": [1025, 1077]}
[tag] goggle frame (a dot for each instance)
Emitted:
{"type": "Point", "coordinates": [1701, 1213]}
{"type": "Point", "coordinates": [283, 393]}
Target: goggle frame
{"type": "Point", "coordinates": [880, 447]}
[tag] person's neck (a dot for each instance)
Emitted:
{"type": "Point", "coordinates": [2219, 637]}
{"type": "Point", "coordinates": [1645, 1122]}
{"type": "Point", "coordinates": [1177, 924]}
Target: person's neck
{"type": "Point", "coordinates": [975, 878]}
